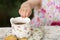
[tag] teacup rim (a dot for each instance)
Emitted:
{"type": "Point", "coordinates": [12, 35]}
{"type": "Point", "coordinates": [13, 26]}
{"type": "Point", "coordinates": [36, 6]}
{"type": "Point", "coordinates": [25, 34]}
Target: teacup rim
{"type": "Point", "coordinates": [16, 19]}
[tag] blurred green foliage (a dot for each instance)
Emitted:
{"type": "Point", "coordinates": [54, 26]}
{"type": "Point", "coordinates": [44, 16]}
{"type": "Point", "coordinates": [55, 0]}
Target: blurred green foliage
{"type": "Point", "coordinates": [8, 9]}
{"type": "Point", "coordinates": [11, 6]}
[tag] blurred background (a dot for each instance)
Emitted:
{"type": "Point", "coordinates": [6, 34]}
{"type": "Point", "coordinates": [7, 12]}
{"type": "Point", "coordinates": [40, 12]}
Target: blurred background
{"type": "Point", "coordinates": [8, 9]}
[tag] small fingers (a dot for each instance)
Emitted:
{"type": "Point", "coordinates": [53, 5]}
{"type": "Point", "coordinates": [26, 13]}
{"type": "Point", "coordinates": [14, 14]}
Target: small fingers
{"type": "Point", "coordinates": [25, 12]}
{"type": "Point", "coordinates": [22, 12]}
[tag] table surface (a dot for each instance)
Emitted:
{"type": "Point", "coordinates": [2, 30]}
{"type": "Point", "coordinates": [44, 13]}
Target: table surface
{"type": "Point", "coordinates": [49, 30]}
{"type": "Point", "coordinates": [4, 31]}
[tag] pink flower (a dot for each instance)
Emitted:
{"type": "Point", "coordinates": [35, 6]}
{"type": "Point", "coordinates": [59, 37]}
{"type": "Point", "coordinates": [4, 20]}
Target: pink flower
{"type": "Point", "coordinates": [58, 8]}
{"type": "Point", "coordinates": [43, 11]}
{"type": "Point", "coordinates": [38, 19]}
{"type": "Point", "coordinates": [55, 23]}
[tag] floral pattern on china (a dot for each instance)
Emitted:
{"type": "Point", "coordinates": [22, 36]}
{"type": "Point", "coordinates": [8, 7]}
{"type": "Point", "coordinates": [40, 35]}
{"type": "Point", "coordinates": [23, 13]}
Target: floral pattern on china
{"type": "Point", "coordinates": [20, 27]}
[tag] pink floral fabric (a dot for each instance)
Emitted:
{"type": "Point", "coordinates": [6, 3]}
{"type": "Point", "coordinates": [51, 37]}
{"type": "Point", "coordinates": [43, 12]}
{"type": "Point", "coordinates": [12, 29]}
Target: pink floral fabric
{"type": "Point", "coordinates": [49, 12]}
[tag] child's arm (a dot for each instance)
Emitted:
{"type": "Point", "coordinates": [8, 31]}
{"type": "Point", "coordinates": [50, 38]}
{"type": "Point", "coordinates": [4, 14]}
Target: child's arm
{"type": "Point", "coordinates": [26, 7]}
{"type": "Point", "coordinates": [35, 3]}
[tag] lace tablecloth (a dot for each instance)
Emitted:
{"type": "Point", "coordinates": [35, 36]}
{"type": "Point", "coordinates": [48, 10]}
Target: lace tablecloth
{"type": "Point", "coordinates": [4, 31]}
{"type": "Point", "coordinates": [50, 32]}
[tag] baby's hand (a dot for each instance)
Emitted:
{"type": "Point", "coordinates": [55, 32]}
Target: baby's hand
{"type": "Point", "coordinates": [25, 10]}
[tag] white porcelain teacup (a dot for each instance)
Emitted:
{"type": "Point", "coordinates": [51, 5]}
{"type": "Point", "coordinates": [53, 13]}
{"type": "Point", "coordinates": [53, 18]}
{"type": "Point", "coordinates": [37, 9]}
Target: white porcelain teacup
{"type": "Point", "coordinates": [20, 27]}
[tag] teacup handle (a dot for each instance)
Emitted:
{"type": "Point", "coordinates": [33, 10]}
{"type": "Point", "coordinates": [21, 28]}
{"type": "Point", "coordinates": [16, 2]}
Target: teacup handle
{"type": "Point", "coordinates": [11, 20]}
